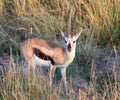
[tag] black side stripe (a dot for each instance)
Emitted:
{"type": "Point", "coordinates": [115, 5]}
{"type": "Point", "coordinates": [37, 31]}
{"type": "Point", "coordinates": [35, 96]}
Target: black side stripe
{"type": "Point", "coordinates": [41, 55]}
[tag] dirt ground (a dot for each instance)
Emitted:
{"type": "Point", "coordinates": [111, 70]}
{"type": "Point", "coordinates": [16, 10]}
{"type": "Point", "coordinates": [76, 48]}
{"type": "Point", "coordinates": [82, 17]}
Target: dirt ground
{"type": "Point", "coordinates": [108, 62]}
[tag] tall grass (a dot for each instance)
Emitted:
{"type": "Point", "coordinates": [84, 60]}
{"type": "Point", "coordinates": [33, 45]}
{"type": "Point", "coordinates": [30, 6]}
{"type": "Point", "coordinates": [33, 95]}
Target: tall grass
{"type": "Point", "coordinates": [22, 19]}
{"type": "Point", "coordinates": [16, 84]}
{"type": "Point", "coordinates": [48, 16]}
{"type": "Point", "coordinates": [104, 17]}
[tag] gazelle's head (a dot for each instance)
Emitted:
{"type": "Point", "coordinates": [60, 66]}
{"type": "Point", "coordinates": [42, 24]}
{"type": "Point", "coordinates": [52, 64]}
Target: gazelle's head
{"type": "Point", "coordinates": [70, 40]}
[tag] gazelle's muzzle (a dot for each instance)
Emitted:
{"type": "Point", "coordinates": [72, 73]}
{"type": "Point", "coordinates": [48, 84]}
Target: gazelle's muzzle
{"type": "Point", "coordinates": [69, 47]}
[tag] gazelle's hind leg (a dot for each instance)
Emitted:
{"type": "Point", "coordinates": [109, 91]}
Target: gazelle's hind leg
{"type": "Point", "coordinates": [31, 68]}
{"type": "Point", "coordinates": [29, 57]}
{"type": "Point", "coordinates": [63, 73]}
{"type": "Point", "coordinates": [51, 75]}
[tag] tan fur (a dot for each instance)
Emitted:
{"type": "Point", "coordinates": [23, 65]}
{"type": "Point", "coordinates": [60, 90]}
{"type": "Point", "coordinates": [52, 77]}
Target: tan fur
{"type": "Point", "coordinates": [58, 53]}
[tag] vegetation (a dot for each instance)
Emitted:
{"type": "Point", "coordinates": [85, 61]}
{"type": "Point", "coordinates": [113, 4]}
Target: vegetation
{"type": "Point", "coordinates": [23, 19]}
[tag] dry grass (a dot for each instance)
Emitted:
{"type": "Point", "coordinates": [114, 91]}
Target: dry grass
{"type": "Point", "coordinates": [100, 18]}
{"type": "Point", "coordinates": [104, 17]}
{"type": "Point", "coordinates": [17, 84]}
{"type": "Point", "coordinates": [22, 19]}
{"type": "Point", "coordinates": [1, 7]}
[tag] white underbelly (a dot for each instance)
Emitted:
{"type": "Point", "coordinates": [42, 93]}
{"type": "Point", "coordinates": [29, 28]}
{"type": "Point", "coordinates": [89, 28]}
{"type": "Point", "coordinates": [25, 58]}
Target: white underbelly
{"type": "Point", "coordinates": [41, 62]}
{"type": "Point", "coordinates": [47, 63]}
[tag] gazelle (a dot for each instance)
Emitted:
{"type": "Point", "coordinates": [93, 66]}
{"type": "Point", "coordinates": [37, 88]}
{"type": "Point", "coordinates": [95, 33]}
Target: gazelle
{"type": "Point", "coordinates": [45, 53]}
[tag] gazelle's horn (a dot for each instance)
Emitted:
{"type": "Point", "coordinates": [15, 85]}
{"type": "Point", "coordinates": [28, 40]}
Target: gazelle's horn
{"type": "Point", "coordinates": [67, 22]}
{"type": "Point", "coordinates": [73, 24]}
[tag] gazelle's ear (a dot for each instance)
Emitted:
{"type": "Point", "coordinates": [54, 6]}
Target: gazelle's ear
{"type": "Point", "coordinates": [62, 33]}
{"type": "Point", "coordinates": [77, 35]}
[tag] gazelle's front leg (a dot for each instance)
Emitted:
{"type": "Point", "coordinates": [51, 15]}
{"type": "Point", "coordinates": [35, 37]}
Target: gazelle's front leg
{"type": "Point", "coordinates": [63, 73]}
{"type": "Point", "coordinates": [51, 75]}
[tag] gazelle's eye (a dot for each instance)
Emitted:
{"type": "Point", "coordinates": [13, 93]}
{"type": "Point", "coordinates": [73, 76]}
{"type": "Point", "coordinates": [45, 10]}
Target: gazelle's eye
{"type": "Point", "coordinates": [74, 41]}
